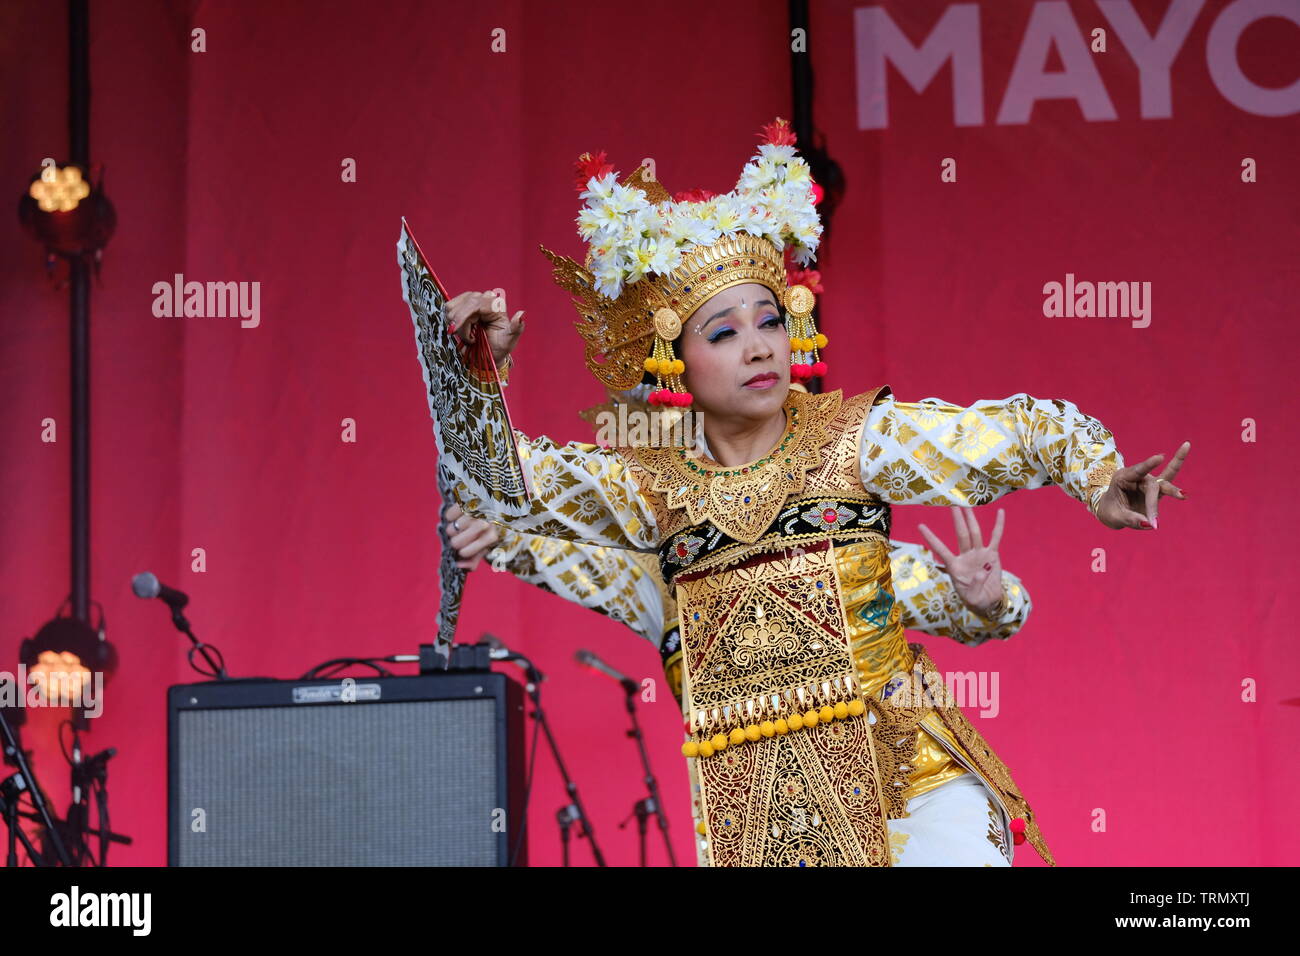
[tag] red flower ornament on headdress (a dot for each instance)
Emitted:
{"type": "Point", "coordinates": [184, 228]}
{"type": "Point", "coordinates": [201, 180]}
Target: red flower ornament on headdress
{"type": "Point", "coordinates": [778, 133]}
{"type": "Point", "coordinates": [588, 166]}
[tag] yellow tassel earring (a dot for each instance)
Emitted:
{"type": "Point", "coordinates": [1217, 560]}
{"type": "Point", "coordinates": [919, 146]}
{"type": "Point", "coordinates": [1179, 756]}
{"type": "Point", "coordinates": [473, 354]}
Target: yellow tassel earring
{"type": "Point", "coordinates": [805, 341]}
{"type": "Point", "coordinates": [666, 367]}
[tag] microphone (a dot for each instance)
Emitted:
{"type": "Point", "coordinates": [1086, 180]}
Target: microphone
{"type": "Point", "coordinates": [146, 585]}
{"type": "Point", "coordinates": [499, 652]}
{"type": "Point", "coordinates": [588, 659]}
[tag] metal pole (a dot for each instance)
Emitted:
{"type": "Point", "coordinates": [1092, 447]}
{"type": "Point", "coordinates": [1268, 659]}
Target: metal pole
{"type": "Point", "coordinates": [79, 146]}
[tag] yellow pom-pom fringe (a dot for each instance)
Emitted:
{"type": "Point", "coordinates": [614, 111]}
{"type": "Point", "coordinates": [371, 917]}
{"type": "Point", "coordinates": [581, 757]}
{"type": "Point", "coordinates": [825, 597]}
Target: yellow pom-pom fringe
{"type": "Point", "coordinates": [757, 730]}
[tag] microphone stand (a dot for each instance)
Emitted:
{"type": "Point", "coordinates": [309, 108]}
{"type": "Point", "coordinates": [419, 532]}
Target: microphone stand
{"type": "Point", "coordinates": [11, 789]}
{"type": "Point", "coordinates": [78, 816]}
{"type": "Point", "coordinates": [14, 753]}
{"type": "Point", "coordinates": [85, 774]}
{"type": "Point", "coordinates": [575, 810]}
{"type": "Point", "coordinates": [653, 803]}
{"type": "Point", "coordinates": [565, 817]}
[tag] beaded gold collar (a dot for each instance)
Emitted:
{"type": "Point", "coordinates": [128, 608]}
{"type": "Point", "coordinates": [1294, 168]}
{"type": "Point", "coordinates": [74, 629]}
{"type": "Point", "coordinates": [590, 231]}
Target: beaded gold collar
{"type": "Point", "coordinates": [743, 501]}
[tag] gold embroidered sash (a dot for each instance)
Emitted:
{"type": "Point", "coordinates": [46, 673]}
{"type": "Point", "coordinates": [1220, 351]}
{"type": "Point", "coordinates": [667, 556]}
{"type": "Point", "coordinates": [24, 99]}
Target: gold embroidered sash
{"type": "Point", "coordinates": [763, 642]}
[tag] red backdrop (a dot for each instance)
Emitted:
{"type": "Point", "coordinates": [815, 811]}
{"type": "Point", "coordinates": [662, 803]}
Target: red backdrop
{"type": "Point", "coordinates": [1121, 708]}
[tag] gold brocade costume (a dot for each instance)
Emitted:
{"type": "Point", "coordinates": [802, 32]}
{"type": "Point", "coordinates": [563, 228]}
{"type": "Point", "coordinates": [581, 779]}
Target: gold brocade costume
{"type": "Point", "coordinates": [782, 577]}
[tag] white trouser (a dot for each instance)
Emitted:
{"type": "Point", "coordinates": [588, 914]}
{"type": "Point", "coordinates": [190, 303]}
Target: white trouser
{"type": "Point", "coordinates": [958, 823]}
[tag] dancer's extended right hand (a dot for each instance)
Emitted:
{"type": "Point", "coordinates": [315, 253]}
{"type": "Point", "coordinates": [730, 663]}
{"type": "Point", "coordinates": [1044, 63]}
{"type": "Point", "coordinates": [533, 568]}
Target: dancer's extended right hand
{"type": "Point", "coordinates": [486, 309]}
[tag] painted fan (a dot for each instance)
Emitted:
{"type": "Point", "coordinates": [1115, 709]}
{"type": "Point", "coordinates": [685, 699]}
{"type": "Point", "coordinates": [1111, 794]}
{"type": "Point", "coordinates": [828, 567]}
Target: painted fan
{"type": "Point", "coordinates": [478, 463]}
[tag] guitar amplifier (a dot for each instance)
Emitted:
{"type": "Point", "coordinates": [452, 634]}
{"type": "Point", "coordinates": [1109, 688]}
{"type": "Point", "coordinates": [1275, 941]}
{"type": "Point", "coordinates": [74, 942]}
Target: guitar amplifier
{"type": "Point", "coordinates": [365, 771]}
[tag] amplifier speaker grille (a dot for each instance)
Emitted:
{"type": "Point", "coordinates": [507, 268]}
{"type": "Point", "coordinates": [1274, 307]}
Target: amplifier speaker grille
{"type": "Point", "coordinates": [387, 783]}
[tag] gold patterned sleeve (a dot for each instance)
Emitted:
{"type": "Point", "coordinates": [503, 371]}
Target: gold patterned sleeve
{"type": "Point", "coordinates": [626, 586]}
{"type": "Point", "coordinates": [931, 603]}
{"type": "Point", "coordinates": [612, 581]}
{"type": "Point", "coordinates": [933, 453]}
{"type": "Point", "coordinates": [577, 492]}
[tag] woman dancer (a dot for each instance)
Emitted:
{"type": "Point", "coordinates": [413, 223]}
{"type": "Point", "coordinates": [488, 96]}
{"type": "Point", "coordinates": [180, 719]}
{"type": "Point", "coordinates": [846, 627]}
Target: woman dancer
{"type": "Point", "coordinates": [775, 535]}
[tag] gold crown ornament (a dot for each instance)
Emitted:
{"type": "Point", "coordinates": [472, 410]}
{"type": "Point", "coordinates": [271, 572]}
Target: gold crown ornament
{"type": "Point", "coordinates": [652, 259]}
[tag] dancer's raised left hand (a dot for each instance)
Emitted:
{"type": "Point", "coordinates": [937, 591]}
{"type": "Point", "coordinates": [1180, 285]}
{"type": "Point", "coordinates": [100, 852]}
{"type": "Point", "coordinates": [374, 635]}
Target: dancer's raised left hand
{"type": "Point", "coordinates": [976, 571]}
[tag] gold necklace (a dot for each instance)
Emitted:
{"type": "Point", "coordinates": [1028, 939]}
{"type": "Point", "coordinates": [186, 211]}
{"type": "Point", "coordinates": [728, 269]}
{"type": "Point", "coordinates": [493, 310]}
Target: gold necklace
{"type": "Point", "coordinates": [742, 501]}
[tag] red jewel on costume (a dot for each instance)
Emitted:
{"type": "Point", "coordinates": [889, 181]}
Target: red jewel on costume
{"type": "Point", "coordinates": [1018, 830]}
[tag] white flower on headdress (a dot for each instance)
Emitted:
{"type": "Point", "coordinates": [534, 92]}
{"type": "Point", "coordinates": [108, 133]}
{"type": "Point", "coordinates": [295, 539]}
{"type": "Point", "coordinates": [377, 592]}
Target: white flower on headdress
{"type": "Point", "coordinates": [603, 246]}
{"type": "Point", "coordinates": [605, 217]}
{"type": "Point", "coordinates": [589, 223]}
{"type": "Point", "coordinates": [666, 256]}
{"type": "Point", "coordinates": [645, 220]}
{"type": "Point", "coordinates": [781, 152]}
{"type": "Point", "coordinates": [758, 175]}
{"type": "Point", "coordinates": [732, 215]}
{"type": "Point", "coordinates": [640, 258]}
{"type": "Point", "coordinates": [804, 235]}
{"type": "Point", "coordinates": [798, 173]}
{"type": "Point", "coordinates": [690, 228]}
{"type": "Point", "coordinates": [600, 189]}
{"type": "Point", "coordinates": [681, 228]}
{"type": "Point", "coordinates": [609, 277]}
{"type": "Point", "coordinates": [627, 199]}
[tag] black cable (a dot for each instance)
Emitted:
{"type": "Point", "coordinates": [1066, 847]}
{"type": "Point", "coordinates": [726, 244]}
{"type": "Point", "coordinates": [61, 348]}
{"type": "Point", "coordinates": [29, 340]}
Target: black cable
{"type": "Point", "coordinates": [341, 665]}
{"type": "Point", "coordinates": [221, 659]}
{"type": "Point", "coordinates": [66, 756]}
{"type": "Point", "coordinates": [337, 664]}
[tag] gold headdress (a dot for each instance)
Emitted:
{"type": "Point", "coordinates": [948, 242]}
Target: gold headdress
{"type": "Point", "coordinates": [652, 259]}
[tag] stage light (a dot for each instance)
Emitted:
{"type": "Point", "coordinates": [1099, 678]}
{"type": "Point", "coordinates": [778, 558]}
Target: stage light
{"type": "Point", "coordinates": [59, 189]}
{"type": "Point", "coordinates": [59, 675]}
{"type": "Point", "coordinates": [63, 657]}
{"type": "Point", "coordinates": [65, 209]}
